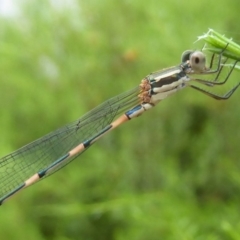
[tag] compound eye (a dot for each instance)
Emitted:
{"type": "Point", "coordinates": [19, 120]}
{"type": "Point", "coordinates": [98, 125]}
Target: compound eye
{"type": "Point", "coordinates": [197, 61]}
{"type": "Point", "coordinates": [186, 55]}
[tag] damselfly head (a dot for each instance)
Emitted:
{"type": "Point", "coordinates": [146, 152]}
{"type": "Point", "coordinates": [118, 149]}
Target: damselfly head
{"type": "Point", "coordinates": [197, 62]}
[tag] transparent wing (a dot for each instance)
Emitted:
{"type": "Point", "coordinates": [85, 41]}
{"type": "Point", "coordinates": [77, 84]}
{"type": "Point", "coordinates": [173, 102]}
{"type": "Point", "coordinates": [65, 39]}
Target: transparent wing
{"type": "Point", "coordinates": [18, 166]}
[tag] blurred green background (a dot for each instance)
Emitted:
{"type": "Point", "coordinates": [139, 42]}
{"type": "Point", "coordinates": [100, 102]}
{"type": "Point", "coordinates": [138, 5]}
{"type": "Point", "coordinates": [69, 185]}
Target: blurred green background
{"type": "Point", "coordinates": [173, 173]}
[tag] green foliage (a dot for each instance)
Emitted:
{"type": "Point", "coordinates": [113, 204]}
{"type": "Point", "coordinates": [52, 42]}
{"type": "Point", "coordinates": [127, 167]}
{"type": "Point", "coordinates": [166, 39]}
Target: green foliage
{"type": "Point", "coordinates": [216, 43]}
{"type": "Point", "coordinates": [173, 173]}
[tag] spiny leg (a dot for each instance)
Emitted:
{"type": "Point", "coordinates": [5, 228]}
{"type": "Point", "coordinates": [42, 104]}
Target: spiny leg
{"type": "Point", "coordinates": [214, 82]}
{"type": "Point", "coordinates": [212, 60]}
{"type": "Point", "coordinates": [216, 96]}
{"type": "Point", "coordinates": [219, 62]}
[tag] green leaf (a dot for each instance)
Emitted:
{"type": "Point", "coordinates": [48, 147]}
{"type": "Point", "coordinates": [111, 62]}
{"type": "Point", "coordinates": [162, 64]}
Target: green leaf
{"type": "Point", "coordinates": [217, 43]}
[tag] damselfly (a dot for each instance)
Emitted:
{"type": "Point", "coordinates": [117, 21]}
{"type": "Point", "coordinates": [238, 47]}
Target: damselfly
{"type": "Point", "coordinates": [48, 154]}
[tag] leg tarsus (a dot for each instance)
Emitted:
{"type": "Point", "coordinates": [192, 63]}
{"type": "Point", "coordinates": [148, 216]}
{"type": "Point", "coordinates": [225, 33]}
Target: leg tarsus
{"type": "Point", "coordinates": [214, 82]}
{"type": "Point", "coordinates": [216, 96]}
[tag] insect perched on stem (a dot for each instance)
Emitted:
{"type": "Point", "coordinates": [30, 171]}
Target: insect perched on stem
{"type": "Point", "coordinates": [49, 153]}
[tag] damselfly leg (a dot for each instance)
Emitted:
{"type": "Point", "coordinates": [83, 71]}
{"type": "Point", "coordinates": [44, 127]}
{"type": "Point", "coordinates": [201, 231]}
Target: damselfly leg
{"type": "Point", "coordinates": [196, 75]}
